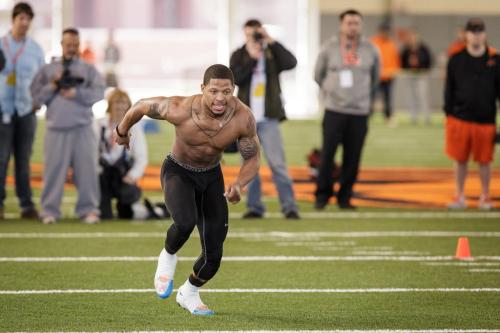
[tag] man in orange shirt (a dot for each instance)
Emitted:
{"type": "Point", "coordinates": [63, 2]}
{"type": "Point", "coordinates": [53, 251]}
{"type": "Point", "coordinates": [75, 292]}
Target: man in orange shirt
{"type": "Point", "coordinates": [458, 44]}
{"type": "Point", "coordinates": [390, 64]}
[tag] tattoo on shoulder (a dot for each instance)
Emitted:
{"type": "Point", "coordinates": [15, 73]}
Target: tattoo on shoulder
{"type": "Point", "coordinates": [248, 148]}
{"type": "Point", "coordinates": [251, 124]}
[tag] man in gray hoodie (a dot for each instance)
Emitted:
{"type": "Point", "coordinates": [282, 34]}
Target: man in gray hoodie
{"type": "Point", "coordinates": [69, 87]}
{"type": "Point", "coordinates": [347, 71]}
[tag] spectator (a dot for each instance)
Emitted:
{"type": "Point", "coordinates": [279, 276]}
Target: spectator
{"type": "Point", "coordinates": [69, 87]}
{"type": "Point", "coordinates": [472, 89]}
{"type": "Point", "coordinates": [256, 67]}
{"type": "Point", "coordinates": [111, 59]}
{"type": "Point", "coordinates": [347, 82]}
{"type": "Point", "coordinates": [390, 65]}
{"type": "Point", "coordinates": [22, 58]}
{"type": "Point", "coordinates": [120, 169]}
{"type": "Point", "coordinates": [88, 54]}
{"type": "Point", "coordinates": [416, 60]}
{"type": "Point", "coordinates": [458, 44]}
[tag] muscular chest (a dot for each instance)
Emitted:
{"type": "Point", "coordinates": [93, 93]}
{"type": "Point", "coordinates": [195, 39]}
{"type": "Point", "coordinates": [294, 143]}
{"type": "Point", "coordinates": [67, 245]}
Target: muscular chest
{"type": "Point", "coordinates": [206, 135]}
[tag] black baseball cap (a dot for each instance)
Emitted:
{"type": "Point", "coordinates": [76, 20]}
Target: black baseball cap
{"type": "Point", "coordinates": [475, 25]}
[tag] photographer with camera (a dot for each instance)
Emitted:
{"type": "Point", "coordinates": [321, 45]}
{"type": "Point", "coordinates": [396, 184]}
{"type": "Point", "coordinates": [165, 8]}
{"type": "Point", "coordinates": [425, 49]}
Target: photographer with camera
{"type": "Point", "coordinates": [256, 67]}
{"type": "Point", "coordinates": [119, 168]}
{"type": "Point", "coordinates": [69, 87]}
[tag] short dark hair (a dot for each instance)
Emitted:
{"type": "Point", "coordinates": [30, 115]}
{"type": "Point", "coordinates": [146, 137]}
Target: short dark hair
{"type": "Point", "coordinates": [349, 12]}
{"type": "Point", "coordinates": [252, 23]}
{"type": "Point", "coordinates": [72, 31]}
{"type": "Point", "coordinates": [218, 71]}
{"type": "Point", "coordinates": [22, 7]}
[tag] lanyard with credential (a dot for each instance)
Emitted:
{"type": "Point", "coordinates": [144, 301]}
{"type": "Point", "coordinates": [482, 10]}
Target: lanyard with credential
{"type": "Point", "coordinates": [11, 78]}
{"type": "Point", "coordinates": [349, 56]}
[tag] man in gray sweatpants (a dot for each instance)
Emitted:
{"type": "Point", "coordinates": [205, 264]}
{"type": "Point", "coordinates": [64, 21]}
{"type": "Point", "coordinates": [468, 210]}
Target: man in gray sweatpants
{"type": "Point", "coordinates": [69, 88]}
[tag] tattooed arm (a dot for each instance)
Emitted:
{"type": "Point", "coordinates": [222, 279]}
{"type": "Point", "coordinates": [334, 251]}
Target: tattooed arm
{"type": "Point", "coordinates": [249, 148]}
{"type": "Point", "coordinates": [155, 107]}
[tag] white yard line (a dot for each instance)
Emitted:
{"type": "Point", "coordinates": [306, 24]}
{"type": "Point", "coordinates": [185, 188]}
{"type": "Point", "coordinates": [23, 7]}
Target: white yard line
{"type": "Point", "coordinates": [250, 258]}
{"type": "Point", "coordinates": [364, 215]}
{"type": "Point", "coordinates": [385, 215]}
{"type": "Point", "coordinates": [450, 330]}
{"type": "Point", "coordinates": [257, 291]}
{"type": "Point", "coordinates": [461, 263]}
{"type": "Point", "coordinates": [280, 235]}
{"type": "Point", "coordinates": [484, 270]}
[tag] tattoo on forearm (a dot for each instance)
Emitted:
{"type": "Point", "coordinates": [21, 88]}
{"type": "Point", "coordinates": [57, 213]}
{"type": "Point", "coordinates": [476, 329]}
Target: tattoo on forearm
{"type": "Point", "coordinates": [248, 148]}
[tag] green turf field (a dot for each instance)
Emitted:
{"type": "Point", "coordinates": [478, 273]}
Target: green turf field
{"type": "Point", "coordinates": [347, 267]}
{"type": "Point", "coordinates": [374, 269]}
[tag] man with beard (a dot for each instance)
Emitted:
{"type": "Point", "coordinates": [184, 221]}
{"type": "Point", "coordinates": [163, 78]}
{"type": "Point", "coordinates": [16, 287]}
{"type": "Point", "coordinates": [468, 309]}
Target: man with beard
{"type": "Point", "coordinates": [347, 71]}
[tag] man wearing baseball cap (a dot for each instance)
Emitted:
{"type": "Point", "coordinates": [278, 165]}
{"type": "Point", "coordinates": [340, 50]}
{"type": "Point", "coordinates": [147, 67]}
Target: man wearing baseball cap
{"type": "Point", "coordinates": [472, 88]}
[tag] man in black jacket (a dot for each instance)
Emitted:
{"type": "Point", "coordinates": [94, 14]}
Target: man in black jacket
{"type": "Point", "coordinates": [472, 89]}
{"type": "Point", "coordinates": [256, 67]}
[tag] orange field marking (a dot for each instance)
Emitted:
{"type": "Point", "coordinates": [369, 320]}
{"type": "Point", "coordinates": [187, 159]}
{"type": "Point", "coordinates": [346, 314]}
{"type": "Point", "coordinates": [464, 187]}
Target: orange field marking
{"type": "Point", "coordinates": [376, 187]}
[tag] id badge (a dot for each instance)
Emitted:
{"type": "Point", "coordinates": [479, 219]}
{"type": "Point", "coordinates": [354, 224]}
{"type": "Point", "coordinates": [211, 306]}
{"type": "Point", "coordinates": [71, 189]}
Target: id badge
{"type": "Point", "coordinates": [11, 79]}
{"type": "Point", "coordinates": [346, 79]}
{"type": "Point", "coordinates": [259, 90]}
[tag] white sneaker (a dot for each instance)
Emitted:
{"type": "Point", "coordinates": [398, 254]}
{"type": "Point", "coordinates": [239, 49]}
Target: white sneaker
{"type": "Point", "coordinates": [164, 276]}
{"type": "Point", "coordinates": [91, 218]}
{"type": "Point", "coordinates": [457, 203]}
{"type": "Point", "coordinates": [485, 203]}
{"type": "Point", "coordinates": [191, 301]}
{"type": "Point", "coordinates": [49, 219]}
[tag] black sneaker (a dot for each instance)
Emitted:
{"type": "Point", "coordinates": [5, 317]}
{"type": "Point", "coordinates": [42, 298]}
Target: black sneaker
{"type": "Point", "coordinates": [320, 205]}
{"type": "Point", "coordinates": [30, 214]}
{"type": "Point", "coordinates": [346, 205]}
{"type": "Point", "coordinates": [292, 215]}
{"type": "Point", "coordinates": [252, 215]}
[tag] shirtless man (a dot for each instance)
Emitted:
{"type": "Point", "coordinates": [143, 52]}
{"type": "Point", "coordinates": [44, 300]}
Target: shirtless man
{"type": "Point", "coordinates": [191, 176]}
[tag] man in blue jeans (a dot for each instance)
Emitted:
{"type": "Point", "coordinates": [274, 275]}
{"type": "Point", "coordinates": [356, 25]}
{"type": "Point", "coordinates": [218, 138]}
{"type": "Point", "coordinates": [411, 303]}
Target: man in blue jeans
{"type": "Point", "coordinates": [23, 58]}
{"type": "Point", "coordinates": [256, 67]}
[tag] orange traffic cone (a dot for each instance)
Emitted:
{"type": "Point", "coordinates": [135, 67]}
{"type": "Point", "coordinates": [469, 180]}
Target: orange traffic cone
{"type": "Point", "coordinates": [463, 249]}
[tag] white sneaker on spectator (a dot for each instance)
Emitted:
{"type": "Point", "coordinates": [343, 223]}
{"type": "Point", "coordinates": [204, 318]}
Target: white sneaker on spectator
{"type": "Point", "coordinates": [485, 202]}
{"type": "Point", "coordinates": [49, 219]}
{"type": "Point", "coordinates": [457, 203]}
{"type": "Point", "coordinates": [91, 218]}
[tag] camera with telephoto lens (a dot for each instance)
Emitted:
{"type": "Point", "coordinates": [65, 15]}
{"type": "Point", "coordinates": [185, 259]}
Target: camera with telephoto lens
{"type": "Point", "coordinates": [67, 81]}
{"type": "Point", "coordinates": [257, 36]}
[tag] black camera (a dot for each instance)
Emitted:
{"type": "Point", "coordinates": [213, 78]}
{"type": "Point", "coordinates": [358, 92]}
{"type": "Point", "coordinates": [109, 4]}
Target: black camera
{"type": "Point", "coordinates": [257, 36]}
{"type": "Point", "coordinates": [67, 81]}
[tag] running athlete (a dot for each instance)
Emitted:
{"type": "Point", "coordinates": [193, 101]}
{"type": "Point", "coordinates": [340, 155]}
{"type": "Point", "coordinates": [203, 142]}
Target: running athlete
{"type": "Point", "coordinates": [191, 176]}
